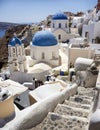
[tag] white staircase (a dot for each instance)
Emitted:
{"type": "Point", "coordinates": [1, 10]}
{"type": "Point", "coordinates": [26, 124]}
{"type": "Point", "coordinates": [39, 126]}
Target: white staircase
{"type": "Point", "coordinates": [73, 114]}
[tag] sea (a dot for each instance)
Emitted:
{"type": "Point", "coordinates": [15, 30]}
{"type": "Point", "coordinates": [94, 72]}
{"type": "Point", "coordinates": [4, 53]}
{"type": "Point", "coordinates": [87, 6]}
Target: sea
{"type": "Point", "coordinates": [2, 33]}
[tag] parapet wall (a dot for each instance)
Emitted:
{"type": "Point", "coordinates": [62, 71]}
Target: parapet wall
{"type": "Point", "coordinates": [34, 114]}
{"type": "Point", "coordinates": [22, 77]}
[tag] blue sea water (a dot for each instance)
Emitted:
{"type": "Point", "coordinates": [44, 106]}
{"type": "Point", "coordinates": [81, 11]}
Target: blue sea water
{"type": "Point", "coordinates": [2, 33]}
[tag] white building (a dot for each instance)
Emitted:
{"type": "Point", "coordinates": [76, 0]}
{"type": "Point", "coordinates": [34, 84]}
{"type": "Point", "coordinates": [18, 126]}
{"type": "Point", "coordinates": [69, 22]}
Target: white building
{"type": "Point", "coordinates": [91, 30]}
{"type": "Point", "coordinates": [60, 26]}
{"type": "Point", "coordinates": [76, 21]}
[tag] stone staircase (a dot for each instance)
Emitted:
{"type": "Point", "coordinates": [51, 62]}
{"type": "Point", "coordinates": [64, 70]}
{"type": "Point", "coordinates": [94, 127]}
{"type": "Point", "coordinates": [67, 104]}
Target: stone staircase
{"type": "Point", "coordinates": [73, 114]}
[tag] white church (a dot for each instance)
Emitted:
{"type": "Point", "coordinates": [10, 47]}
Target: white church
{"type": "Point", "coordinates": [60, 26]}
{"type": "Point", "coordinates": [44, 48]}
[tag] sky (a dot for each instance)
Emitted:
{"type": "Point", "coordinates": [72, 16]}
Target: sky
{"type": "Point", "coordinates": [23, 11]}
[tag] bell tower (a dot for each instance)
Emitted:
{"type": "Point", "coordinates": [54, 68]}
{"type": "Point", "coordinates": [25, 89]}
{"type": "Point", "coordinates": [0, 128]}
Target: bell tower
{"type": "Point", "coordinates": [16, 57]}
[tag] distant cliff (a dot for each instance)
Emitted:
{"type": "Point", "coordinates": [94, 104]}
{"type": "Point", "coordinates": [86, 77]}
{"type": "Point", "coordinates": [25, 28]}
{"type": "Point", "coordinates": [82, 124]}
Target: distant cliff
{"type": "Point", "coordinates": [5, 25]}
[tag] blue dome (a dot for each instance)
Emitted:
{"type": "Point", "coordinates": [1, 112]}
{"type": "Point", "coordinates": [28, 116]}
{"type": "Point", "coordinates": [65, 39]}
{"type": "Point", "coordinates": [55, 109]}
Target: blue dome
{"type": "Point", "coordinates": [44, 38]}
{"type": "Point", "coordinates": [15, 40]}
{"type": "Point", "coordinates": [60, 16]}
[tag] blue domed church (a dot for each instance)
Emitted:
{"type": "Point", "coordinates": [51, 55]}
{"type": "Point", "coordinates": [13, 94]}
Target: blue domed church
{"type": "Point", "coordinates": [44, 48]}
{"type": "Point", "coordinates": [60, 26]}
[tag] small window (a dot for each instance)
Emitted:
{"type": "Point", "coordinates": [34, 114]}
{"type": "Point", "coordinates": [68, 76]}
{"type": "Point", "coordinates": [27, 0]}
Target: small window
{"type": "Point", "coordinates": [18, 51]}
{"type": "Point", "coordinates": [59, 36]}
{"type": "Point", "coordinates": [86, 34]}
{"type": "Point", "coordinates": [53, 55]}
{"type": "Point", "coordinates": [43, 55]}
{"type": "Point", "coordinates": [53, 25]}
{"type": "Point", "coordinates": [99, 18]}
{"type": "Point", "coordinates": [65, 25]}
{"type": "Point", "coordinates": [59, 25]}
{"type": "Point", "coordinates": [9, 51]}
{"type": "Point", "coordinates": [15, 64]}
{"type": "Point", "coordinates": [13, 50]}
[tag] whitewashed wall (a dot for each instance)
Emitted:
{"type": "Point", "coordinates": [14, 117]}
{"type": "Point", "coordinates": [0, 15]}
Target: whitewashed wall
{"type": "Point", "coordinates": [51, 54]}
{"type": "Point", "coordinates": [74, 53]}
{"type": "Point", "coordinates": [22, 77]}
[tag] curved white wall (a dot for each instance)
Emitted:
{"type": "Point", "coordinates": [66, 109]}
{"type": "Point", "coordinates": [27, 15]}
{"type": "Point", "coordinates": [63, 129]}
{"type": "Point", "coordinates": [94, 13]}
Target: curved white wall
{"type": "Point", "coordinates": [45, 54]}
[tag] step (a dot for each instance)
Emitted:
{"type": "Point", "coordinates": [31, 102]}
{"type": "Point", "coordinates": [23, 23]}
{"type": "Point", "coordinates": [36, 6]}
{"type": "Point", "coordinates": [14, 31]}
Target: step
{"type": "Point", "coordinates": [72, 111]}
{"type": "Point", "coordinates": [77, 105]}
{"type": "Point", "coordinates": [81, 100]}
{"type": "Point", "coordinates": [54, 121]}
{"type": "Point", "coordinates": [83, 97]}
{"type": "Point", "coordinates": [86, 91]}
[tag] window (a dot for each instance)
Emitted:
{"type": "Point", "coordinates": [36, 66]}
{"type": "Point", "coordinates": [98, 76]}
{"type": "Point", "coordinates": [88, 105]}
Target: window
{"type": "Point", "coordinates": [99, 18]}
{"type": "Point", "coordinates": [18, 51]}
{"type": "Point", "coordinates": [59, 25]}
{"type": "Point", "coordinates": [53, 55]}
{"type": "Point", "coordinates": [53, 25]}
{"type": "Point", "coordinates": [86, 34]}
{"type": "Point", "coordinates": [15, 64]}
{"type": "Point", "coordinates": [14, 52]}
{"type": "Point", "coordinates": [59, 36]}
{"type": "Point", "coordinates": [9, 52]}
{"type": "Point", "coordinates": [65, 25]}
{"type": "Point", "coordinates": [43, 55]}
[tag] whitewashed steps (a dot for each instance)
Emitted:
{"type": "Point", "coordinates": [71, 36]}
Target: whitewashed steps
{"type": "Point", "coordinates": [84, 97]}
{"type": "Point", "coordinates": [72, 111]}
{"type": "Point", "coordinates": [77, 105]}
{"type": "Point", "coordinates": [54, 121]}
{"type": "Point", "coordinates": [86, 91]}
{"type": "Point", "coordinates": [81, 100]}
